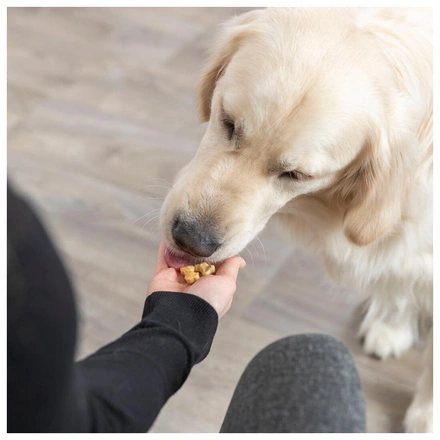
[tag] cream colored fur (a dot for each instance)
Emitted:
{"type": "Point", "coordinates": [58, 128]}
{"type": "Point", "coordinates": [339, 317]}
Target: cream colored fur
{"type": "Point", "coordinates": [343, 97]}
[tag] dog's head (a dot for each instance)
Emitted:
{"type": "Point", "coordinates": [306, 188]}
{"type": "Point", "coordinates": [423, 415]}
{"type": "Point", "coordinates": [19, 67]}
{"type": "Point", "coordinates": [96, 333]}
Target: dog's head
{"type": "Point", "coordinates": [299, 103]}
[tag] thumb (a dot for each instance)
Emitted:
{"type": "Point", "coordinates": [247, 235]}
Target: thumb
{"type": "Point", "coordinates": [231, 266]}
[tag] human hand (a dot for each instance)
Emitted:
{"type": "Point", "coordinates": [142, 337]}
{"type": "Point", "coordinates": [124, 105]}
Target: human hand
{"type": "Point", "coordinates": [218, 290]}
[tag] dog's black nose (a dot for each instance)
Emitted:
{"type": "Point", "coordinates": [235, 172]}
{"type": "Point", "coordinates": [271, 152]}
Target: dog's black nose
{"type": "Point", "coordinates": [194, 238]}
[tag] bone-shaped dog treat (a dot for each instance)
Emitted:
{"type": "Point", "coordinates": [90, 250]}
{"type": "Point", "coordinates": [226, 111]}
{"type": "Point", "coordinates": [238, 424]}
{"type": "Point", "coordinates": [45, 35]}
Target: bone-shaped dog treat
{"type": "Point", "coordinates": [204, 269]}
{"type": "Point", "coordinates": [192, 277]}
{"type": "Point", "coordinates": [187, 270]}
{"type": "Point", "coordinates": [193, 273]}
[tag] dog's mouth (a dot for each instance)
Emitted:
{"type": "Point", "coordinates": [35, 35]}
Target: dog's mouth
{"type": "Point", "coordinates": [177, 259]}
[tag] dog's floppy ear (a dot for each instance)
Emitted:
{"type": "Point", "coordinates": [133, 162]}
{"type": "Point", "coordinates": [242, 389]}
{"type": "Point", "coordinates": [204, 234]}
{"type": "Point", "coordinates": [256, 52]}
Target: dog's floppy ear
{"type": "Point", "coordinates": [374, 187]}
{"type": "Point", "coordinates": [228, 41]}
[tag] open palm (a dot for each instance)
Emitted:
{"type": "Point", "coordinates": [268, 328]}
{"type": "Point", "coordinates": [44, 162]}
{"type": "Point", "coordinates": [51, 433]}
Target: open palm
{"type": "Point", "coordinates": [218, 290]}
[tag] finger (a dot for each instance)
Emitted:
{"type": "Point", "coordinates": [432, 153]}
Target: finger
{"type": "Point", "coordinates": [231, 266]}
{"type": "Point", "coordinates": [161, 262]}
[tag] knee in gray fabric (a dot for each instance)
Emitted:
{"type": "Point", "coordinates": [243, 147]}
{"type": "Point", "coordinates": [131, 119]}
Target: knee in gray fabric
{"type": "Point", "coordinates": [301, 383]}
{"type": "Point", "coordinates": [318, 347]}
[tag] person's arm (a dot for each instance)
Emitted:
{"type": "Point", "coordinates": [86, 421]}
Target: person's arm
{"type": "Point", "coordinates": [123, 386]}
{"type": "Point", "coordinates": [126, 383]}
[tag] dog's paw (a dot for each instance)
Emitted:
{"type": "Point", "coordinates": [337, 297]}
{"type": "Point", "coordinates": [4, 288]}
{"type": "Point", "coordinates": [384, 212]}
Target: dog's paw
{"type": "Point", "coordinates": [383, 340]}
{"type": "Point", "coordinates": [418, 418]}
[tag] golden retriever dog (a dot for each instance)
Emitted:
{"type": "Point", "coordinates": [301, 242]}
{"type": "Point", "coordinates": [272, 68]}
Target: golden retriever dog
{"type": "Point", "coordinates": [322, 117]}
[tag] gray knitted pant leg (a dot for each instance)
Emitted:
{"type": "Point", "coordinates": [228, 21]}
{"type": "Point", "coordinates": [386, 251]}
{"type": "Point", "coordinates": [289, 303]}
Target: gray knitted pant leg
{"type": "Point", "coordinates": [303, 383]}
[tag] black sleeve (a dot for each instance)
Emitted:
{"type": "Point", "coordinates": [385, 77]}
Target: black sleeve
{"type": "Point", "coordinates": [120, 388]}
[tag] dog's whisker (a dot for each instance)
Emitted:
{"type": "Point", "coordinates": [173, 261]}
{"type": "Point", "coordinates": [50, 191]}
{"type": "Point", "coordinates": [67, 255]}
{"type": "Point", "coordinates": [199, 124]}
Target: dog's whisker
{"type": "Point", "coordinates": [154, 186]}
{"type": "Point", "coordinates": [154, 228]}
{"type": "Point", "coordinates": [155, 236]}
{"type": "Point", "coordinates": [148, 213]}
{"type": "Point", "coordinates": [150, 186]}
{"type": "Point", "coordinates": [151, 219]}
{"type": "Point", "coordinates": [163, 180]}
{"type": "Point", "coordinates": [133, 188]}
{"type": "Point", "coordinates": [262, 247]}
{"type": "Point", "coordinates": [253, 246]}
{"type": "Point", "coordinates": [252, 258]}
{"type": "Point", "coordinates": [264, 251]}
{"type": "Point", "coordinates": [146, 180]}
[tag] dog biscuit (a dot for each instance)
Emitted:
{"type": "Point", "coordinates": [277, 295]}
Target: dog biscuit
{"type": "Point", "coordinates": [187, 270]}
{"type": "Point", "coordinates": [193, 273]}
{"type": "Point", "coordinates": [192, 277]}
{"type": "Point", "coordinates": [205, 269]}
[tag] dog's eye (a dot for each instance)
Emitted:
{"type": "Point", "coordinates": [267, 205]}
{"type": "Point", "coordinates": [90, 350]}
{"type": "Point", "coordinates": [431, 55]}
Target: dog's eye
{"type": "Point", "coordinates": [230, 127]}
{"type": "Point", "coordinates": [294, 175]}
{"type": "Point", "coordinates": [291, 175]}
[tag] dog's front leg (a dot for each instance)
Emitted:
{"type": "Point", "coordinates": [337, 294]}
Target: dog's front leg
{"type": "Point", "coordinates": [396, 310]}
{"type": "Point", "coordinates": [390, 325]}
{"type": "Point", "coordinates": [419, 415]}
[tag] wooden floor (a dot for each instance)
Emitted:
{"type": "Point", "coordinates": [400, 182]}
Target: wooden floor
{"type": "Point", "coordinates": [101, 116]}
